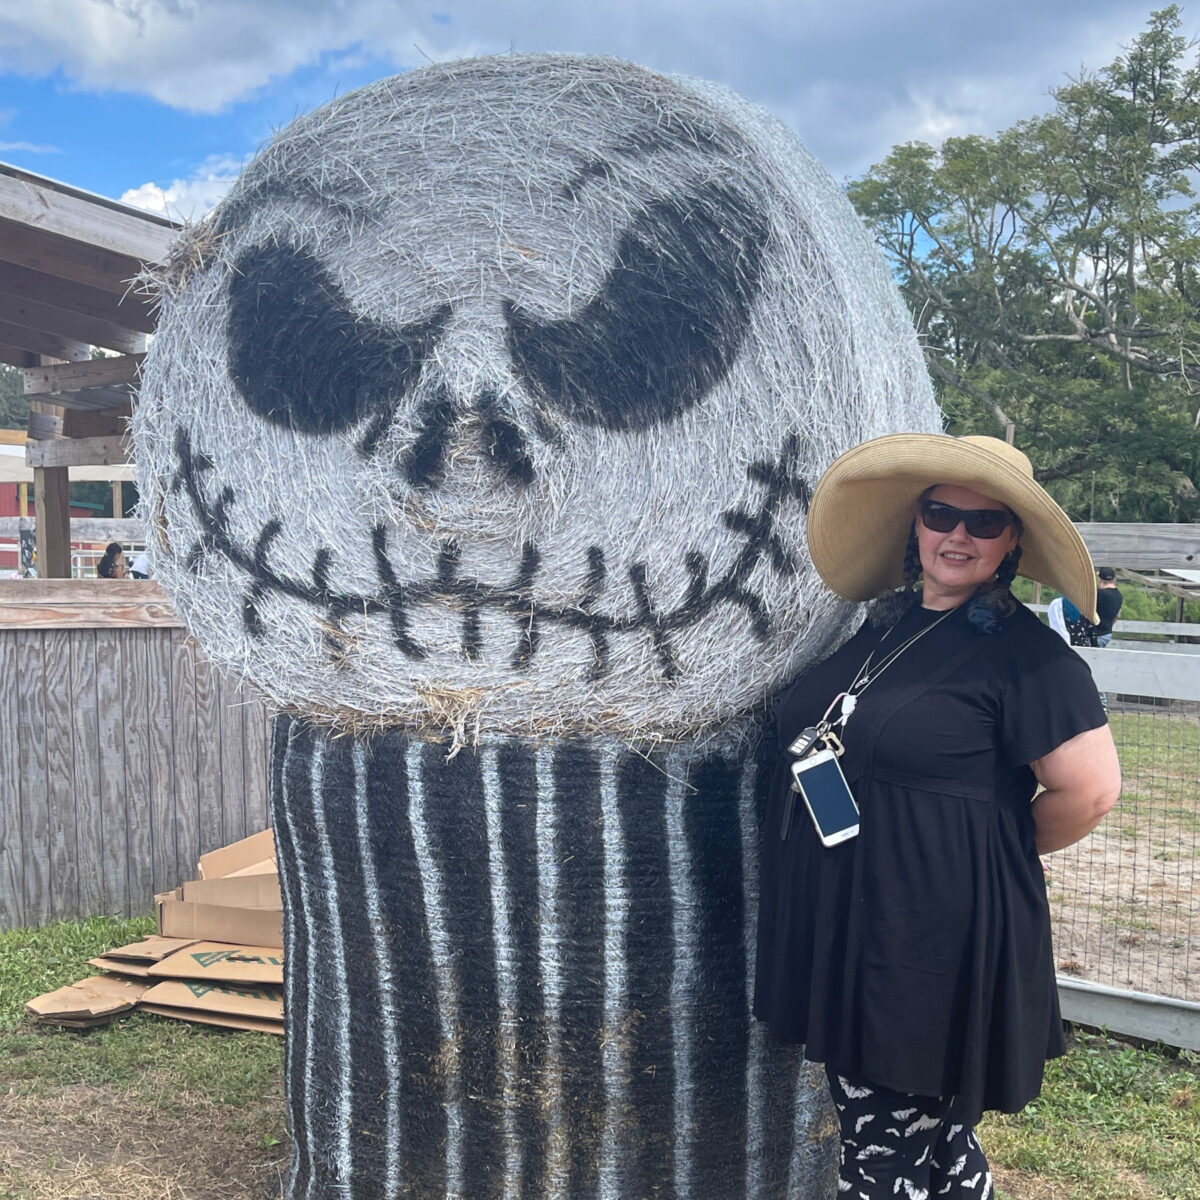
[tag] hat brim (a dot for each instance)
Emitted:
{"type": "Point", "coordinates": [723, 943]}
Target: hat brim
{"type": "Point", "coordinates": [863, 507]}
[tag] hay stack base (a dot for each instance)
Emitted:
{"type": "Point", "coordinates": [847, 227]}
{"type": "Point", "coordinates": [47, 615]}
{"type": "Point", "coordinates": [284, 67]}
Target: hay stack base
{"type": "Point", "coordinates": [526, 972]}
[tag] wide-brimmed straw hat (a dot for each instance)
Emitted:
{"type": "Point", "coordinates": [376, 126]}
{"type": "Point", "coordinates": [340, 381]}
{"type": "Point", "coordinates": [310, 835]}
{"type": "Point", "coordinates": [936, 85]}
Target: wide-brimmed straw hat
{"type": "Point", "coordinates": [863, 508]}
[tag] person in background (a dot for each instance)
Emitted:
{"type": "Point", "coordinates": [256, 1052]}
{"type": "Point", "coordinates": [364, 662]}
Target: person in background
{"type": "Point", "coordinates": [140, 567]}
{"type": "Point", "coordinates": [112, 564]}
{"type": "Point", "coordinates": [1108, 604]}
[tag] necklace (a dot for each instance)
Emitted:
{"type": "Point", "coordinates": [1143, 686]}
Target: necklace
{"type": "Point", "coordinates": [867, 674]}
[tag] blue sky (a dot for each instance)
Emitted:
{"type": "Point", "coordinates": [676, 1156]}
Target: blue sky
{"type": "Point", "coordinates": [160, 101]}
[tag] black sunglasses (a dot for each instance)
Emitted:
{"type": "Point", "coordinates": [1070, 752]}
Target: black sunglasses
{"type": "Point", "coordinates": [980, 522]}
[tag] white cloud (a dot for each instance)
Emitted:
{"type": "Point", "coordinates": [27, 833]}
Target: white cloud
{"type": "Point", "coordinates": [186, 199]}
{"type": "Point", "coordinates": [854, 77]}
{"type": "Point", "coordinates": [28, 148]}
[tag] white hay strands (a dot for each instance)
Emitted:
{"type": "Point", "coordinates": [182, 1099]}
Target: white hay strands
{"type": "Point", "coordinates": [491, 398]}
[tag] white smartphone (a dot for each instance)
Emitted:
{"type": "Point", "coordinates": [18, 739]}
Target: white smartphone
{"type": "Point", "coordinates": [819, 779]}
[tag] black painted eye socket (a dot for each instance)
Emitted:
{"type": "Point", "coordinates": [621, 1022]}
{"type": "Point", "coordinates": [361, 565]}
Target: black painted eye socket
{"type": "Point", "coordinates": [302, 358]}
{"type": "Point", "coordinates": [667, 323]}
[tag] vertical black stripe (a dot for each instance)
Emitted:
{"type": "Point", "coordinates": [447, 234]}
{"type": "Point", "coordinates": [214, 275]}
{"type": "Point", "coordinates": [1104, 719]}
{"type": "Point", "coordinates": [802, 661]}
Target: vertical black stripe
{"type": "Point", "coordinates": [413, 1004]}
{"type": "Point", "coordinates": [580, 850]}
{"type": "Point", "coordinates": [648, 1149]}
{"type": "Point", "coordinates": [325, 1072]}
{"type": "Point", "coordinates": [368, 1070]}
{"type": "Point", "coordinates": [516, 767]}
{"type": "Point", "coordinates": [457, 821]}
{"type": "Point", "coordinates": [712, 827]}
{"type": "Point", "coordinates": [293, 744]}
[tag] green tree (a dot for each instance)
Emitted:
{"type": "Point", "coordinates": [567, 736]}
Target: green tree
{"type": "Point", "coordinates": [14, 407]}
{"type": "Point", "coordinates": [1052, 273]}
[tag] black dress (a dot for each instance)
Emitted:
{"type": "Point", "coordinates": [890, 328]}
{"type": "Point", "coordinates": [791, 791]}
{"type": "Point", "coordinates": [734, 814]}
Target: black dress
{"type": "Point", "coordinates": [917, 955]}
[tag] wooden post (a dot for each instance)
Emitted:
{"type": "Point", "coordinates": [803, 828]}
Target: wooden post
{"type": "Point", "coordinates": [52, 500]}
{"type": "Point", "coordinates": [1037, 592]}
{"type": "Point", "coordinates": [22, 499]}
{"type": "Point", "coordinates": [118, 498]}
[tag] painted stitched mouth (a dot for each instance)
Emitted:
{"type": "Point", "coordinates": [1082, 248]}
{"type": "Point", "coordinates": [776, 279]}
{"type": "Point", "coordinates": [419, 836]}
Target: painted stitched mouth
{"type": "Point", "coordinates": [449, 588]}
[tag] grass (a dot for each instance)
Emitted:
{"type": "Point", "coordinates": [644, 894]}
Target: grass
{"type": "Point", "coordinates": [34, 961]}
{"type": "Point", "coordinates": [94, 1112]}
{"type": "Point", "coordinates": [144, 1107]}
{"type": "Point", "coordinates": [1113, 1122]}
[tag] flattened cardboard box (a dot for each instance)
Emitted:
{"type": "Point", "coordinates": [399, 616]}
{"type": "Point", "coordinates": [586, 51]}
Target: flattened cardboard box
{"type": "Point", "coordinates": [218, 922]}
{"type": "Point", "coordinates": [237, 1007]}
{"type": "Point", "coordinates": [236, 891]}
{"type": "Point", "coordinates": [222, 1020]}
{"type": "Point", "coordinates": [217, 962]}
{"type": "Point", "coordinates": [138, 957]}
{"type": "Point", "coordinates": [266, 1003]}
{"type": "Point", "coordinates": [92, 1001]}
{"type": "Point", "coordinates": [252, 855]}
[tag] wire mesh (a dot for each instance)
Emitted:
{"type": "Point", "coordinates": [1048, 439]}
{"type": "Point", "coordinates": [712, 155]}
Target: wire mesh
{"type": "Point", "coordinates": [1125, 902]}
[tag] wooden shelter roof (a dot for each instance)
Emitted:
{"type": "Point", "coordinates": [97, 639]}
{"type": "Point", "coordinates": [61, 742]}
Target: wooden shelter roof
{"type": "Point", "coordinates": [67, 259]}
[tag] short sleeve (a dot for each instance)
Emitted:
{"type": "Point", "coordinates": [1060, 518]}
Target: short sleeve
{"type": "Point", "coordinates": [1049, 699]}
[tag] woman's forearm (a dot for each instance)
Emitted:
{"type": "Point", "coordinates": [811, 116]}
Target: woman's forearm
{"type": "Point", "coordinates": [1063, 817]}
{"type": "Point", "coordinates": [1082, 780]}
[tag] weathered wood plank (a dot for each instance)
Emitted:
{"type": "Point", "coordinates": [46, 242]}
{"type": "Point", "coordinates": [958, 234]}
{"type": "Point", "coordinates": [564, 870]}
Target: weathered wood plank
{"type": "Point", "coordinates": [51, 488]}
{"type": "Point", "coordinates": [13, 356]}
{"type": "Point", "coordinates": [31, 759]}
{"type": "Point", "coordinates": [25, 313]}
{"type": "Point", "coordinates": [111, 734]}
{"type": "Point", "coordinates": [67, 213]}
{"type": "Point", "coordinates": [79, 452]}
{"type": "Point", "coordinates": [80, 299]}
{"type": "Point", "coordinates": [86, 529]}
{"type": "Point", "coordinates": [12, 841]}
{"type": "Point", "coordinates": [256, 755]}
{"type": "Point", "coordinates": [233, 769]}
{"type": "Point", "coordinates": [137, 766]}
{"type": "Point", "coordinates": [51, 345]}
{"type": "Point", "coordinates": [63, 258]}
{"type": "Point", "coordinates": [60, 788]}
{"type": "Point", "coordinates": [112, 420]}
{"type": "Point", "coordinates": [85, 773]}
{"type": "Point", "coordinates": [1140, 547]}
{"type": "Point", "coordinates": [183, 720]}
{"type": "Point", "coordinates": [84, 604]}
{"type": "Point", "coordinates": [1171, 628]}
{"type": "Point", "coordinates": [208, 756]}
{"type": "Point", "coordinates": [166, 872]}
{"type": "Point", "coordinates": [70, 377]}
{"type": "Point", "coordinates": [1144, 672]}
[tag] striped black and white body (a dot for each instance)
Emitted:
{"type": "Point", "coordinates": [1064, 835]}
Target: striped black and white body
{"type": "Point", "coordinates": [525, 972]}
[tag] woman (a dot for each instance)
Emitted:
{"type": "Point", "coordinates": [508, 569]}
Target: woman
{"type": "Point", "coordinates": [914, 959]}
{"type": "Point", "coordinates": [112, 563]}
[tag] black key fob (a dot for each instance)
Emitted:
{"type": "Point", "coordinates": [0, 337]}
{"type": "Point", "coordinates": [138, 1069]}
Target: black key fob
{"type": "Point", "coordinates": [805, 741]}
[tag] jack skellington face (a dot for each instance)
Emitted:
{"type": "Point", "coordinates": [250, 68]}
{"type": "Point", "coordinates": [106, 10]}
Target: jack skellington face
{"type": "Point", "coordinates": [494, 393]}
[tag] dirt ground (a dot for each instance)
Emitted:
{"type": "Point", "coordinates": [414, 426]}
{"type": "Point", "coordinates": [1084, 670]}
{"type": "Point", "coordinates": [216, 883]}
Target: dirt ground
{"type": "Point", "coordinates": [93, 1144]}
{"type": "Point", "coordinates": [1125, 907]}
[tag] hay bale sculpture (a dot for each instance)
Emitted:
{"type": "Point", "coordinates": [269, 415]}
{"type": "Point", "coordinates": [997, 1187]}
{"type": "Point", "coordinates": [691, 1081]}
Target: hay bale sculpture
{"type": "Point", "coordinates": [478, 432]}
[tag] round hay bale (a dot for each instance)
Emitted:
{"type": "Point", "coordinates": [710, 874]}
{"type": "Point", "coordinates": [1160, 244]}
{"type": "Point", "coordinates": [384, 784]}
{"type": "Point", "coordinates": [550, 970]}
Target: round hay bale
{"type": "Point", "coordinates": [491, 398]}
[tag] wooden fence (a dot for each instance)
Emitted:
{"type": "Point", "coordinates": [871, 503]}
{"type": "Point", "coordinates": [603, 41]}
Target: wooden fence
{"type": "Point", "coordinates": [124, 755]}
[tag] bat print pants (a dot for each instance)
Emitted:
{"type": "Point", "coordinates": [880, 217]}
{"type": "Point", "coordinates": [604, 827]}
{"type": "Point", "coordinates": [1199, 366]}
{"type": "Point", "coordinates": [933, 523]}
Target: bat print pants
{"type": "Point", "coordinates": [896, 1144]}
